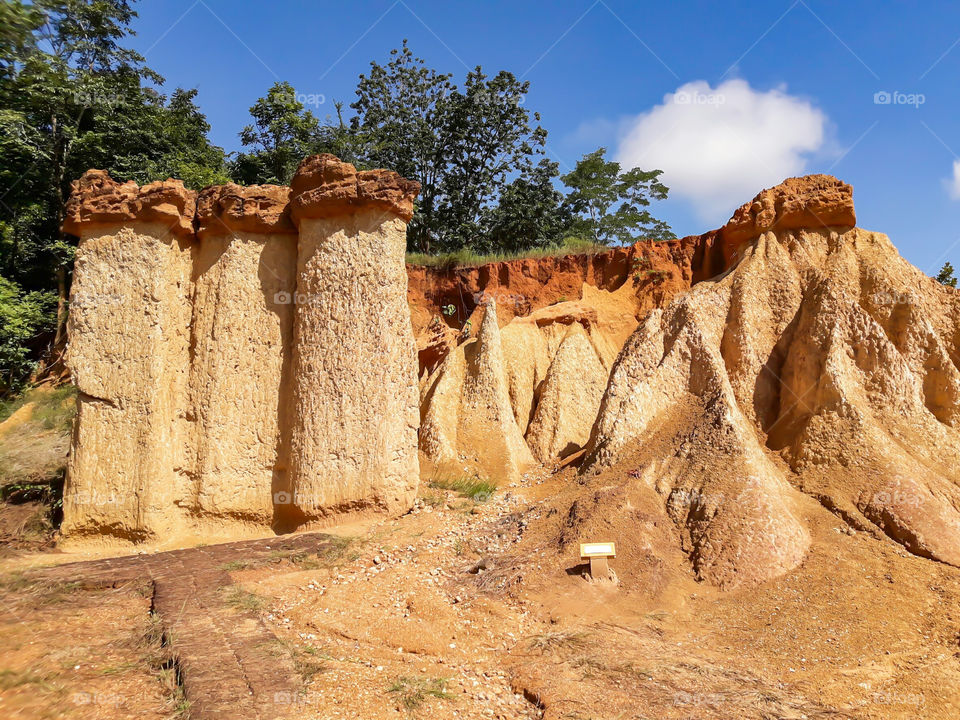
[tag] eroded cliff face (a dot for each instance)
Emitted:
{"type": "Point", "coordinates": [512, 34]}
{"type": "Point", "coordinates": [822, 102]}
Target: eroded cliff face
{"type": "Point", "coordinates": [534, 378]}
{"type": "Point", "coordinates": [251, 358]}
{"type": "Point", "coordinates": [822, 366]}
{"type": "Point", "coordinates": [230, 378]}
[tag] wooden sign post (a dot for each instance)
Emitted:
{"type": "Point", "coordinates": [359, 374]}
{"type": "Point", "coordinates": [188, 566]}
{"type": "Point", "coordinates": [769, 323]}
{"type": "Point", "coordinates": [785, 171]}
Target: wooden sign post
{"type": "Point", "coordinates": [598, 554]}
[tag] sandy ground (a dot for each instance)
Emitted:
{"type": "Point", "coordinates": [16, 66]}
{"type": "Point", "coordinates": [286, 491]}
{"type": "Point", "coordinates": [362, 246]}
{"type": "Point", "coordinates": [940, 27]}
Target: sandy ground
{"type": "Point", "coordinates": [464, 609]}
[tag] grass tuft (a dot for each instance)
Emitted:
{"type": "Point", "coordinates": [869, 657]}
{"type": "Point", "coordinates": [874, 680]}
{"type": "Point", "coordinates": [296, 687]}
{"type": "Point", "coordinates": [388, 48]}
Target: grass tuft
{"type": "Point", "coordinates": [413, 691]}
{"type": "Point", "coordinates": [477, 489]}
{"type": "Point", "coordinates": [243, 600]}
{"type": "Point", "coordinates": [563, 638]}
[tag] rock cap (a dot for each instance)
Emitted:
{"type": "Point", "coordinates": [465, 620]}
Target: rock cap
{"type": "Point", "coordinates": [98, 200]}
{"type": "Point", "coordinates": [225, 209]}
{"type": "Point", "coordinates": [812, 202]}
{"type": "Point", "coordinates": [325, 186]}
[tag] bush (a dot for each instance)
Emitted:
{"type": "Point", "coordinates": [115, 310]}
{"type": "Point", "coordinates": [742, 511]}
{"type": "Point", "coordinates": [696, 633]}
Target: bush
{"type": "Point", "coordinates": [23, 316]}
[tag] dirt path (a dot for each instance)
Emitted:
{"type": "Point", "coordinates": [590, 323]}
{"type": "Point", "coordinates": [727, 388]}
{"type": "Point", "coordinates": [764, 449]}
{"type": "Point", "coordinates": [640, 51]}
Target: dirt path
{"type": "Point", "coordinates": [230, 664]}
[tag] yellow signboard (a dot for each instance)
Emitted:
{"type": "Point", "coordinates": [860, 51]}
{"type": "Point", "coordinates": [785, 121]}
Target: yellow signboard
{"type": "Point", "coordinates": [601, 549]}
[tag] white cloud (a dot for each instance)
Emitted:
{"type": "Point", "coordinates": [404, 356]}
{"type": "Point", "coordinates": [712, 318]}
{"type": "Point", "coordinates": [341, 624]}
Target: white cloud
{"type": "Point", "coordinates": [953, 184]}
{"type": "Point", "coordinates": [720, 146]}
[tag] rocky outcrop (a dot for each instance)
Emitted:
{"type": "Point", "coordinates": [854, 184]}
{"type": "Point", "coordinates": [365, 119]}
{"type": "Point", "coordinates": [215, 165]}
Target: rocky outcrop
{"type": "Point", "coordinates": [354, 401]}
{"type": "Point", "coordinates": [821, 364]}
{"type": "Point", "coordinates": [129, 355]}
{"type": "Point", "coordinates": [654, 272]}
{"type": "Point", "coordinates": [242, 328]}
{"type": "Point", "coordinates": [811, 202]}
{"type": "Point", "coordinates": [469, 425]}
{"type": "Point", "coordinates": [230, 378]}
{"type": "Point", "coordinates": [99, 202]}
{"type": "Point", "coordinates": [555, 351]}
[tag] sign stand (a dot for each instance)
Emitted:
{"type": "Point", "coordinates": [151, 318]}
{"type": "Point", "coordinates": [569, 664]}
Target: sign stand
{"type": "Point", "coordinates": [598, 554]}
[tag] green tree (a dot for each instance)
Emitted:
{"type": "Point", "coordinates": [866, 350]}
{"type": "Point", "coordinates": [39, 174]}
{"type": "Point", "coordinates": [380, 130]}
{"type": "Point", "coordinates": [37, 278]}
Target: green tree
{"type": "Point", "coordinates": [188, 154]}
{"type": "Point", "coordinates": [486, 136]}
{"type": "Point", "coordinates": [461, 145]}
{"type": "Point", "coordinates": [610, 205]}
{"type": "Point", "coordinates": [23, 316]}
{"type": "Point", "coordinates": [282, 134]}
{"type": "Point", "coordinates": [530, 213]}
{"type": "Point", "coordinates": [946, 276]}
{"type": "Point", "coordinates": [71, 66]}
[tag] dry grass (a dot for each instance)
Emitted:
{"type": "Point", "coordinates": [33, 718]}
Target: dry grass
{"type": "Point", "coordinates": [243, 600]}
{"type": "Point", "coordinates": [559, 639]}
{"type": "Point", "coordinates": [468, 258]}
{"type": "Point", "coordinates": [476, 489]}
{"type": "Point", "coordinates": [413, 691]}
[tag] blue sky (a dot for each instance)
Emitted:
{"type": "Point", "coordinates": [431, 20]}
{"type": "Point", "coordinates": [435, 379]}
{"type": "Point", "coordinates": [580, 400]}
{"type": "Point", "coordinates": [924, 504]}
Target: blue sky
{"type": "Point", "coordinates": [726, 98]}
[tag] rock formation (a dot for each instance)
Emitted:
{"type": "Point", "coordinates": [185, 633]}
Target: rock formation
{"type": "Point", "coordinates": [129, 355]}
{"type": "Point", "coordinates": [247, 359]}
{"type": "Point", "coordinates": [354, 402]}
{"type": "Point", "coordinates": [245, 261]}
{"type": "Point", "coordinates": [545, 368]}
{"type": "Point", "coordinates": [230, 377]}
{"type": "Point", "coordinates": [822, 363]}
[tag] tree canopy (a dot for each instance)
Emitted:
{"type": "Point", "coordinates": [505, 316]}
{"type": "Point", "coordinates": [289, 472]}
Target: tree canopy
{"type": "Point", "coordinates": [946, 276]}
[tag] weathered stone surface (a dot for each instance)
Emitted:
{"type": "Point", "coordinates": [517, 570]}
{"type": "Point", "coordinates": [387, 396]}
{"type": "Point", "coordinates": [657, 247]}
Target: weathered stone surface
{"type": "Point", "coordinates": [183, 350]}
{"type": "Point", "coordinates": [129, 356]}
{"type": "Point", "coordinates": [812, 202]}
{"type": "Point", "coordinates": [325, 186]}
{"type": "Point", "coordinates": [569, 398]}
{"type": "Point", "coordinates": [469, 425]}
{"type": "Point", "coordinates": [822, 362]}
{"type": "Point", "coordinates": [354, 404]}
{"type": "Point", "coordinates": [98, 201]}
{"type": "Point", "coordinates": [239, 379]}
{"type": "Point", "coordinates": [227, 209]}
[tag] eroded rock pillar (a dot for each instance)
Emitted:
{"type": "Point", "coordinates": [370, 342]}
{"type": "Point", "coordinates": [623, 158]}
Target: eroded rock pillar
{"type": "Point", "coordinates": [354, 400]}
{"type": "Point", "coordinates": [242, 329]}
{"type": "Point", "coordinates": [129, 356]}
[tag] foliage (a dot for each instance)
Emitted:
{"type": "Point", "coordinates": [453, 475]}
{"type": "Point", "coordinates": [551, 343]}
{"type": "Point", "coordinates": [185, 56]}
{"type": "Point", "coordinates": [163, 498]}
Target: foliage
{"type": "Point", "coordinates": [460, 144]}
{"type": "Point", "coordinates": [413, 691]}
{"type": "Point", "coordinates": [282, 134]}
{"type": "Point", "coordinates": [530, 214]}
{"type": "Point", "coordinates": [468, 258]}
{"type": "Point", "coordinates": [469, 487]}
{"type": "Point", "coordinates": [609, 204]}
{"type": "Point", "coordinates": [946, 276]}
{"type": "Point", "coordinates": [23, 315]}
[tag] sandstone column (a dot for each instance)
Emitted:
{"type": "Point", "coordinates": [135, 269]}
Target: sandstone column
{"type": "Point", "coordinates": [129, 356]}
{"type": "Point", "coordinates": [354, 405]}
{"type": "Point", "coordinates": [242, 327]}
